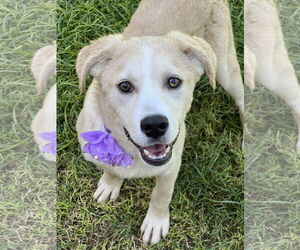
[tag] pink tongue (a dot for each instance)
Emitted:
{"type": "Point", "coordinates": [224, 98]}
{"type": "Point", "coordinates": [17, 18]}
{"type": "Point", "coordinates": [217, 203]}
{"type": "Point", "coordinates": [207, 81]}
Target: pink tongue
{"type": "Point", "coordinates": [156, 149]}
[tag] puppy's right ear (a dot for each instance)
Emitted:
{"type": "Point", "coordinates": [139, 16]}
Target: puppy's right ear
{"type": "Point", "coordinates": [92, 58]}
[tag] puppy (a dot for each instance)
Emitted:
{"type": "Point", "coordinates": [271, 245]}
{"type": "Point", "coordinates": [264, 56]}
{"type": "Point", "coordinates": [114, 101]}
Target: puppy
{"type": "Point", "coordinates": [142, 89]}
{"type": "Point", "coordinates": [44, 123]}
{"type": "Point", "coordinates": [266, 57]}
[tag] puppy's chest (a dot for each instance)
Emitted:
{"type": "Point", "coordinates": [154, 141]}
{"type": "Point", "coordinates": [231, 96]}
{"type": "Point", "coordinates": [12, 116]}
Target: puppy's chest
{"type": "Point", "coordinates": [138, 170]}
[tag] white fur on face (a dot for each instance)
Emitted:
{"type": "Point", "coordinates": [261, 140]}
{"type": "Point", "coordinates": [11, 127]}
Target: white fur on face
{"type": "Point", "coordinates": [153, 98]}
{"type": "Point", "coordinates": [148, 71]}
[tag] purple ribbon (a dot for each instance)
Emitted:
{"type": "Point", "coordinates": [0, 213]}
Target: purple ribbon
{"type": "Point", "coordinates": [49, 148]}
{"type": "Point", "coordinates": [103, 147]}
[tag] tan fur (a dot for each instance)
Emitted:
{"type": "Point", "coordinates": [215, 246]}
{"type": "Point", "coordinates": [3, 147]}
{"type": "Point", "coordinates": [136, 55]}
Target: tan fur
{"type": "Point", "coordinates": [187, 37]}
{"type": "Point", "coordinates": [87, 58]}
{"type": "Point", "coordinates": [273, 69]}
{"type": "Point", "coordinates": [197, 48]}
{"type": "Point", "coordinates": [43, 65]}
{"type": "Point", "coordinates": [250, 67]}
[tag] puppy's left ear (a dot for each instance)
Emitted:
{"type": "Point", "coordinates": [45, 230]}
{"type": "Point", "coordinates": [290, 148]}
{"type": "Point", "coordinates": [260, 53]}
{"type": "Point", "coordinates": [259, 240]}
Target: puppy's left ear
{"type": "Point", "coordinates": [199, 53]}
{"type": "Point", "coordinates": [43, 65]}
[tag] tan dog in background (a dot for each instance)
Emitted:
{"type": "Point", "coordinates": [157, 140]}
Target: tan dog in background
{"type": "Point", "coordinates": [143, 88]}
{"type": "Point", "coordinates": [266, 57]}
{"type": "Point", "coordinates": [43, 66]}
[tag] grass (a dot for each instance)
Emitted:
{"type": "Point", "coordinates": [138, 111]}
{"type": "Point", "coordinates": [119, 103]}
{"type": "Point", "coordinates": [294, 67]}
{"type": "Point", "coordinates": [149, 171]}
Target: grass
{"type": "Point", "coordinates": [207, 205]}
{"type": "Point", "coordinates": [27, 182]}
{"type": "Point", "coordinates": [271, 163]}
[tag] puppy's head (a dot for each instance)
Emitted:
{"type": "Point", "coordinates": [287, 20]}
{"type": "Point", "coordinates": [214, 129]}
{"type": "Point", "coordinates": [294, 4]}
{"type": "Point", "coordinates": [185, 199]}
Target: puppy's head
{"type": "Point", "coordinates": [149, 83]}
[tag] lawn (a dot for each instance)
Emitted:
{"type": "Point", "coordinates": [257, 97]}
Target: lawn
{"type": "Point", "coordinates": [207, 206]}
{"type": "Point", "coordinates": [27, 181]}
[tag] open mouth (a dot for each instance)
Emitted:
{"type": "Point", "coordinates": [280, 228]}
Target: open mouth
{"type": "Point", "coordinates": [155, 155]}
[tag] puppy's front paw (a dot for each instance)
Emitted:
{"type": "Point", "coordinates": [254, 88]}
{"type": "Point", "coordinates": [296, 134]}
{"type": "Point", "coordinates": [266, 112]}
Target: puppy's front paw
{"type": "Point", "coordinates": [107, 190]}
{"type": "Point", "coordinates": [154, 227]}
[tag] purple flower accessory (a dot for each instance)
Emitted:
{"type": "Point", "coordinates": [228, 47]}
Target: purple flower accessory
{"type": "Point", "coordinates": [103, 147]}
{"type": "Point", "coordinates": [49, 148]}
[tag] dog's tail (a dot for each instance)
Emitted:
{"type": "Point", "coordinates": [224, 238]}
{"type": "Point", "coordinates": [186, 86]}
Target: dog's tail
{"type": "Point", "coordinates": [43, 65]}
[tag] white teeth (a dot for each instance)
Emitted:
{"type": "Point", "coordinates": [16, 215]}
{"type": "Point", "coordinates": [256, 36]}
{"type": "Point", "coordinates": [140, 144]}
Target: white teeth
{"type": "Point", "coordinates": [157, 157]}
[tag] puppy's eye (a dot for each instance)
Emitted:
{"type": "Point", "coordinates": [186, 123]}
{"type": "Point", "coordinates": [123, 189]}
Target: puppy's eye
{"type": "Point", "coordinates": [125, 87]}
{"type": "Point", "coordinates": [174, 82]}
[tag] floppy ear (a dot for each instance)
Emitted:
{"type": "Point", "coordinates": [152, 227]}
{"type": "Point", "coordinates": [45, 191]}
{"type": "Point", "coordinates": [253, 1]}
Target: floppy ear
{"type": "Point", "coordinates": [92, 58]}
{"type": "Point", "coordinates": [199, 53]}
{"type": "Point", "coordinates": [43, 65]}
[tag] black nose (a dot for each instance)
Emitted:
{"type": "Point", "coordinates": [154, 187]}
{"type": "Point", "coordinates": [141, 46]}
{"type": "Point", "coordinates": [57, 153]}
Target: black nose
{"type": "Point", "coordinates": [154, 126]}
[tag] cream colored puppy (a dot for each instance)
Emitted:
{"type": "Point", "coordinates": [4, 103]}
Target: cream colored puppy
{"type": "Point", "coordinates": [266, 57]}
{"type": "Point", "coordinates": [44, 123]}
{"type": "Point", "coordinates": [143, 88]}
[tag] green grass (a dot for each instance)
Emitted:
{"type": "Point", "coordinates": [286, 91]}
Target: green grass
{"type": "Point", "coordinates": [207, 205]}
{"type": "Point", "coordinates": [27, 182]}
{"type": "Point", "coordinates": [271, 163]}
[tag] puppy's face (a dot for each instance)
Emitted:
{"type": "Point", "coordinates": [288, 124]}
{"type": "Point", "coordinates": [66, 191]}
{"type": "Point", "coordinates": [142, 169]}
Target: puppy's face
{"type": "Point", "coordinates": [149, 83]}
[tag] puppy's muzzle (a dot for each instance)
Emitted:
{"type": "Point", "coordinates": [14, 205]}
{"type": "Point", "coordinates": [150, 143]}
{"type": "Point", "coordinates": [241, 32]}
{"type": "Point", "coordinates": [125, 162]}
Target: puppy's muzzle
{"type": "Point", "coordinates": [155, 154]}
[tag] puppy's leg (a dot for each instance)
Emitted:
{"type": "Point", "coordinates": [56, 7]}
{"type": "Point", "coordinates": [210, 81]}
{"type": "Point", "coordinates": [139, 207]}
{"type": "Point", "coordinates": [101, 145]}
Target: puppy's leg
{"type": "Point", "coordinates": [219, 35]}
{"type": "Point", "coordinates": [297, 119]}
{"type": "Point", "coordinates": [229, 76]}
{"type": "Point", "coordinates": [108, 188]}
{"type": "Point", "coordinates": [274, 70]}
{"type": "Point", "coordinates": [156, 223]}
{"type": "Point", "coordinates": [277, 74]}
{"type": "Point", "coordinates": [249, 67]}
